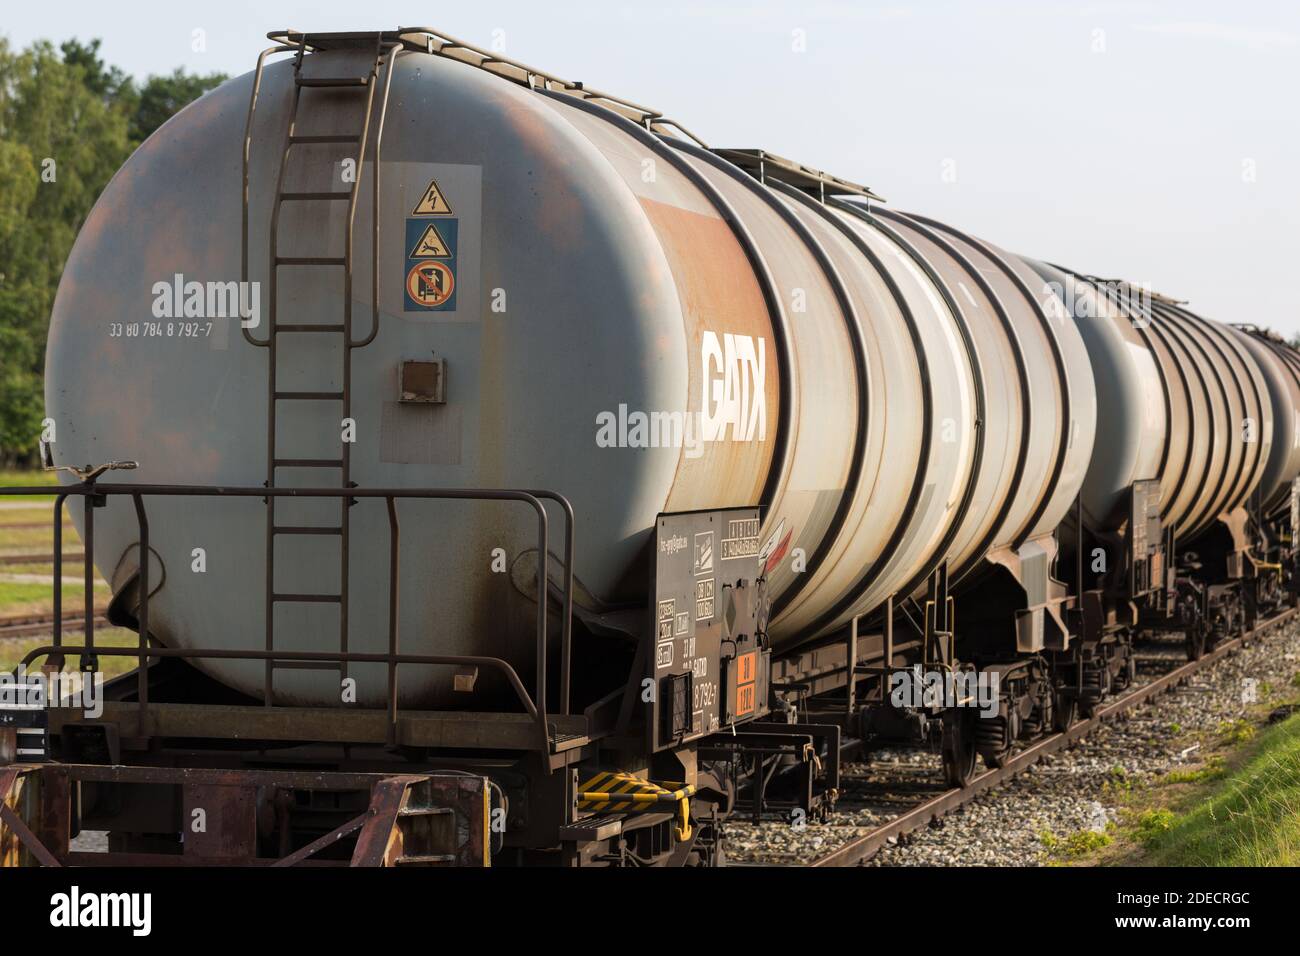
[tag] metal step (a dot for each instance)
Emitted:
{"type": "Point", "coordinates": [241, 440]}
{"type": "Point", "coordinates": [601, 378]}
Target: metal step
{"type": "Point", "coordinates": [307, 463]}
{"type": "Point", "coordinates": [310, 261]}
{"type": "Point", "coordinates": [291, 598]}
{"type": "Point", "coordinates": [332, 82]}
{"type": "Point", "coordinates": [295, 139]}
{"type": "Point", "coordinates": [315, 197]}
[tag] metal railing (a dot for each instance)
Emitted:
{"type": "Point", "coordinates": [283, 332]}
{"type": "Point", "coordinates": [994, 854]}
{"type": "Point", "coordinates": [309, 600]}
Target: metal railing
{"type": "Point", "coordinates": [96, 495]}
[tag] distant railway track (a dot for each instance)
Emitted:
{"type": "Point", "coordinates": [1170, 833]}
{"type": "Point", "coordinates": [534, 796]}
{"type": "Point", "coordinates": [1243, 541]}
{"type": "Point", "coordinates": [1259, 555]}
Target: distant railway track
{"type": "Point", "coordinates": [7, 559]}
{"type": "Point", "coordinates": [26, 625]}
{"type": "Point", "coordinates": [863, 847]}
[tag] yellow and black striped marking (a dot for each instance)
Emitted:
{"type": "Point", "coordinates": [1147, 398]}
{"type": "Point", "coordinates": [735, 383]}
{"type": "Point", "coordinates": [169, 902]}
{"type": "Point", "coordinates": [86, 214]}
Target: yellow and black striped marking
{"type": "Point", "coordinates": [614, 792]}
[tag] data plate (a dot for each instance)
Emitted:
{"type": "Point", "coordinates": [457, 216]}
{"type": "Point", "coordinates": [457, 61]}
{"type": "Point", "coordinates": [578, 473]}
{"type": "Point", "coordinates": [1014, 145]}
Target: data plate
{"type": "Point", "coordinates": [707, 668]}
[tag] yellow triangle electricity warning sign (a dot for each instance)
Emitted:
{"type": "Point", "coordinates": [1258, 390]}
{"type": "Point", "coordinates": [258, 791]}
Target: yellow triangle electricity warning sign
{"type": "Point", "coordinates": [432, 203]}
{"type": "Point", "coordinates": [430, 246]}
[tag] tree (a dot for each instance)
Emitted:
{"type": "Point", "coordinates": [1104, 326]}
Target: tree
{"type": "Point", "coordinates": [162, 97]}
{"type": "Point", "coordinates": [67, 122]}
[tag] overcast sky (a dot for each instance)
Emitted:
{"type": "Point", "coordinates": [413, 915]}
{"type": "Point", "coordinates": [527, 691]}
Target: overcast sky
{"type": "Point", "coordinates": [1157, 141]}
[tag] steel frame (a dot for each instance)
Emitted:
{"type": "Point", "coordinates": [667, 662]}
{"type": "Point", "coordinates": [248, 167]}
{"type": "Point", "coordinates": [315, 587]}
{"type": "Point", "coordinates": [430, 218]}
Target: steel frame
{"type": "Point", "coordinates": [94, 495]}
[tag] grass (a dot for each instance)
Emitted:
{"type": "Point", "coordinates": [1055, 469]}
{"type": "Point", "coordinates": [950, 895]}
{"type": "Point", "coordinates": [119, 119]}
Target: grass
{"type": "Point", "coordinates": [13, 651]}
{"type": "Point", "coordinates": [18, 537]}
{"type": "Point", "coordinates": [36, 540]}
{"type": "Point", "coordinates": [13, 479]}
{"type": "Point", "coordinates": [1212, 769]}
{"type": "Point", "coordinates": [30, 512]}
{"type": "Point", "coordinates": [1250, 816]}
{"type": "Point", "coordinates": [1074, 845]}
{"type": "Point", "coordinates": [1236, 732]}
{"type": "Point", "coordinates": [1153, 823]}
{"type": "Point", "coordinates": [71, 572]}
{"type": "Point", "coordinates": [30, 597]}
{"type": "Point", "coordinates": [23, 597]}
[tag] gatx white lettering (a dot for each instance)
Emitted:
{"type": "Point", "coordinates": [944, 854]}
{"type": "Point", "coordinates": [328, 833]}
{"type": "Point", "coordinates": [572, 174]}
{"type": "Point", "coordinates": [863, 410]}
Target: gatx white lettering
{"type": "Point", "coordinates": [735, 375]}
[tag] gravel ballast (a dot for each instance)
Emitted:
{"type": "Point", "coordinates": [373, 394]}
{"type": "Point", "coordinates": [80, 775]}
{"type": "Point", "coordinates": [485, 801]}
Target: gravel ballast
{"type": "Point", "coordinates": [1074, 791]}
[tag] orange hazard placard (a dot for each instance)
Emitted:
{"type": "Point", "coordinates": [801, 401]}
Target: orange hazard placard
{"type": "Point", "coordinates": [745, 668]}
{"type": "Point", "coordinates": [430, 283]}
{"type": "Point", "coordinates": [746, 682]}
{"type": "Point", "coordinates": [745, 699]}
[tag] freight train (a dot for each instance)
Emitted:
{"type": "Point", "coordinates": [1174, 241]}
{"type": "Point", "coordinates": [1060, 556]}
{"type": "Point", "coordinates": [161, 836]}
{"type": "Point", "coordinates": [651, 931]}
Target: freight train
{"type": "Point", "coordinates": [518, 480]}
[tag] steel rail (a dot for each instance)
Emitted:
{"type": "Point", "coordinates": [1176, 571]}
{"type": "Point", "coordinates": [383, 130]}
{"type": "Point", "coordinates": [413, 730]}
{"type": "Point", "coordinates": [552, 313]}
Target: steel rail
{"type": "Point", "coordinates": [868, 844]}
{"type": "Point", "coordinates": [26, 625]}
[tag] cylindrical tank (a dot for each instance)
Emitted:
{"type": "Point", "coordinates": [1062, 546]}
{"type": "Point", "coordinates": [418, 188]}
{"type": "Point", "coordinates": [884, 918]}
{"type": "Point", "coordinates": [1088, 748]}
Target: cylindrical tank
{"type": "Point", "coordinates": [1280, 365]}
{"type": "Point", "coordinates": [637, 324]}
{"type": "Point", "coordinates": [1184, 400]}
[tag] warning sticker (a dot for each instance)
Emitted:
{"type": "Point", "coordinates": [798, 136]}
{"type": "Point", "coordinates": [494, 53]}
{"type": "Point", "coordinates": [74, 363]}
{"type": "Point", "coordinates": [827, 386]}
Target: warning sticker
{"type": "Point", "coordinates": [431, 265]}
{"type": "Point", "coordinates": [430, 284]}
{"type": "Point", "coordinates": [430, 246]}
{"type": "Point", "coordinates": [432, 203]}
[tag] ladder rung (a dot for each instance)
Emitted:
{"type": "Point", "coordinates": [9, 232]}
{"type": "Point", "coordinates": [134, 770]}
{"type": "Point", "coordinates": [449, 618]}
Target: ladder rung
{"type": "Point", "coordinates": [339, 138]}
{"type": "Point", "coordinates": [310, 396]}
{"type": "Point", "coordinates": [306, 665]}
{"type": "Point", "coordinates": [309, 197]}
{"type": "Point", "coordinates": [304, 529]}
{"type": "Point", "coordinates": [308, 463]}
{"type": "Point", "coordinates": [307, 328]}
{"type": "Point", "coordinates": [310, 261]}
{"type": "Point", "coordinates": [308, 598]}
{"type": "Point", "coordinates": [333, 81]}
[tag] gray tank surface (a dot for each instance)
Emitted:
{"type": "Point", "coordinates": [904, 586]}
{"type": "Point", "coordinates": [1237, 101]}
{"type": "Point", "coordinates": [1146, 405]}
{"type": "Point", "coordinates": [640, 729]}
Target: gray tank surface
{"type": "Point", "coordinates": [1184, 400]}
{"type": "Point", "coordinates": [1280, 365]}
{"type": "Point", "coordinates": [625, 318]}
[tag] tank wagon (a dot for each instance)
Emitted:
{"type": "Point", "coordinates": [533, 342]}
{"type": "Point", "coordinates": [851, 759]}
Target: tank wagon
{"type": "Point", "coordinates": [517, 479]}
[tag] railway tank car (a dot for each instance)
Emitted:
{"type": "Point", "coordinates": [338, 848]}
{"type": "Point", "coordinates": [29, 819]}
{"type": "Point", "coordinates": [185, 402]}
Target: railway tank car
{"type": "Point", "coordinates": [501, 450]}
{"type": "Point", "coordinates": [890, 391]}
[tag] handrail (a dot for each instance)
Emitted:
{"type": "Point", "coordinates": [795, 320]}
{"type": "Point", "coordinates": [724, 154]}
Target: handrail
{"type": "Point", "coordinates": [439, 43]}
{"type": "Point", "coordinates": [391, 52]}
{"type": "Point", "coordinates": [536, 708]}
{"type": "Point", "coordinates": [248, 143]}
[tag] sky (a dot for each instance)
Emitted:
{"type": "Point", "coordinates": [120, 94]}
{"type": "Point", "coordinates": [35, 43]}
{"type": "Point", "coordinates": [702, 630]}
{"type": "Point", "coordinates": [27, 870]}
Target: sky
{"type": "Point", "coordinates": [1155, 141]}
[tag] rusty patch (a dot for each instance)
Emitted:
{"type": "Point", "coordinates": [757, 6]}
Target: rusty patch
{"type": "Point", "coordinates": [718, 293]}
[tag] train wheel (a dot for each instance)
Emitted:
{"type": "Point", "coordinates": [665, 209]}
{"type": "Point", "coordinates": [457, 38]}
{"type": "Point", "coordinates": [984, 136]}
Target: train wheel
{"type": "Point", "coordinates": [1065, 713]}
{"type": "Point", "coordinates": [1195, 642]}
{"type": "Point", "coordinates": [1040, 718]}
{"type": "Point", "coordinates": [993, 739]}
{"type": "Point", "coordinates": [1127, 673]}
{"type": "Point", "coordinates": [958, 746]}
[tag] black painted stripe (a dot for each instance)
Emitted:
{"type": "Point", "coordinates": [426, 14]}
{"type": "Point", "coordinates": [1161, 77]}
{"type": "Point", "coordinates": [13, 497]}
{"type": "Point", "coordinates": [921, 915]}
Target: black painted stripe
{"type": "Point", "coordinates": [762, 275]}
{"type": "Point", "coordinates": [853, 323]}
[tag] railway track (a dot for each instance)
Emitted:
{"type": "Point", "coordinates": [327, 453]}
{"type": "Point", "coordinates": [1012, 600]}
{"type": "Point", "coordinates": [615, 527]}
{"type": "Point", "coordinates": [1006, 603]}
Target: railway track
{"type": "Point", "coordinates": [865, 846]}
{"type": "Point", "coordinates": [26, 625]}
{"type": "Point", "coordinates": [68, 558]}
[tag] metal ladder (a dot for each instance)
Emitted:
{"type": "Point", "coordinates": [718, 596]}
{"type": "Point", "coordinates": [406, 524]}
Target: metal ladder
{"type": "Point", "coordinates": [367, 83]}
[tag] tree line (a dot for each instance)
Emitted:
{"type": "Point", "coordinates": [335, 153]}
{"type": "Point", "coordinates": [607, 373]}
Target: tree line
{"type": "Point", "coordinates": [68, 121]}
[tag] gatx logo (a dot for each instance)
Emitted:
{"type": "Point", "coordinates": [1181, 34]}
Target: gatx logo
{"type": "Point", "coordinates": [735, 376]}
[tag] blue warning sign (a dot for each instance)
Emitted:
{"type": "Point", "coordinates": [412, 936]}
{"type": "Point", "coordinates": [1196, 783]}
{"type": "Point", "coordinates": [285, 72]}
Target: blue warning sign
{"type": "Point", "coordinates": [431, 265]}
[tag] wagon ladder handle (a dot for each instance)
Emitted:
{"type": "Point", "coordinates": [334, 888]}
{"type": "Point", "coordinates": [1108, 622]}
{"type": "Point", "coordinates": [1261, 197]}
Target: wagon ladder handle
{"type": "Point", "coordinates": [346, 80]}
